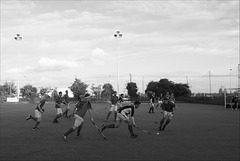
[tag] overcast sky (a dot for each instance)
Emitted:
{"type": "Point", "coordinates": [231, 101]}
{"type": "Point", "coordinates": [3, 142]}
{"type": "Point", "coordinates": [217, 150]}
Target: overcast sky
{"type": "Point", "coordinates": [64, 39]}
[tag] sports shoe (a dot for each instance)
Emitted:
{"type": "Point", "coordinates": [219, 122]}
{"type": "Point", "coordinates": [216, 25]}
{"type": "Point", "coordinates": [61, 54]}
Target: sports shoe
{"type": "Point", "coordinates": [64, 138]}
{"type": "Point", "coordinates": [36, 128]}
{"type": "Point", "coordinates": [55, 121]}
{"type": "Point", "coordinates": [29, 116]}
{"type": "Point", "coordinates": [134, 136]}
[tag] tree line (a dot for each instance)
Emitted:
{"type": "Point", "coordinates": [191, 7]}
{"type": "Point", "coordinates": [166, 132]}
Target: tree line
{"type": "Point", "coordinates": [78, 87]}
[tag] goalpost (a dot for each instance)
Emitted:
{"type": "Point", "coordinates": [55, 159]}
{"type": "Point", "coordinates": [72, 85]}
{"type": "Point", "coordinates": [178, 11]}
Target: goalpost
{"type": "Point", "coordinates": [228, 94]}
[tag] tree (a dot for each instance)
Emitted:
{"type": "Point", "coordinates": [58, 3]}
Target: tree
{"type": "Point", "coordinates": [164, 86]}
{"type": "Point", "coordinates": [132, 90]}
{"type": "Point", "coordinates": [78, 88]}
{"type": "Point", "coordinates": [8, 89]}
{"type": "Point", "coordinates": [107, 91]}
{"type": "Point", "coordinates": [28, 91]}
{"type": "Point", "coordinates": [44, 90]}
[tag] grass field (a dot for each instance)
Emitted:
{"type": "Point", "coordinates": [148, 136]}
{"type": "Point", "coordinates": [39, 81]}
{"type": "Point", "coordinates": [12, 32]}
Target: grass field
{"type": "Point", "coordinates": [196, 132]}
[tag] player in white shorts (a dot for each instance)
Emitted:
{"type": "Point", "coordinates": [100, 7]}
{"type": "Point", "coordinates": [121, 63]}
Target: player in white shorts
{"type": "Point", "coordinates": [124, 114]}
{"type": "Point", "coordinates": [168, 107]}
{"type": "Point", "coordinates": [79, 113]}
{"type": "Point", "coordinates": [38, 112]}
{"type": "Point", "coordinates": [58, 102]}
{"type": "Point", "coordinates": [113, 107]}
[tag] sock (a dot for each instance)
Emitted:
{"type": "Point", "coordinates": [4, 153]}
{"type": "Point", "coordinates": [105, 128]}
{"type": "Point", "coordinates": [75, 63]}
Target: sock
{"type": "Point", "coordinates": [108, 115]}
{"type": "Point", "coordinates": [34, 118]}
{"type": "Point", "coordinates": [110, 126]}
{"type": "Point", "coordinates": [79, 129]}
{"type": "Point", "coordinates": [58, 116]}
{"type": "Point", "coordinates": [167, 122]}
{"type": "Point", "coordinates": [162, 121]}
{"type": "Point", "coordinates": [69, 131]}
{"type": "Point", "coordinates": [130, 128]}
{"type": "Point", "coordinates": [37, 123]}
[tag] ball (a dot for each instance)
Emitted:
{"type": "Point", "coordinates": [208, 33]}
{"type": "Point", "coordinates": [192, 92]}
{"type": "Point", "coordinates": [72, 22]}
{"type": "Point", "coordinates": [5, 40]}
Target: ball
{"type": "Point", "coordinates": [158, 133]}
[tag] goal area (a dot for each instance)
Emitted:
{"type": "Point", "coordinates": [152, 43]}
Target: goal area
{"type": "Point", "coordinates": [229, 93]}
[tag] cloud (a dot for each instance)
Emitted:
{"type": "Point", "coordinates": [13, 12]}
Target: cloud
{"type": "Point", "coordinates": [56, 65]}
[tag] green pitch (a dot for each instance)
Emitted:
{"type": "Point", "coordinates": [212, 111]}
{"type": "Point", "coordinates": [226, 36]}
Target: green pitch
{"type": "Point", "coordinates": [196, 132]}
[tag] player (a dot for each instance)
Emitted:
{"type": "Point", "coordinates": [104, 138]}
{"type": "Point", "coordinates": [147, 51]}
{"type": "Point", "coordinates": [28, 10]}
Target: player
{"type": "Point", "coordinates": [120, 101]}
{"type": "Point", "coordinates": [172, 98]}
{"type": "Point", "coordinates": [113, 108]}
{"type": "Point", "coordinates": [38, 112]}
{"type": "Point", "coordinates": [66, 103]}
{"type": "Point", "coordinates": [124, 114]}
{"type": "Point", "coordinates": [79, 113]}
{"type": "Point", "coordinates": [58, 102]}
{"type": "Point", "coordinates": [168, 107]}
{"type": "Point", "coordinates": [152, 98]}
{"type": "Point", "coordinates": [234, 101]}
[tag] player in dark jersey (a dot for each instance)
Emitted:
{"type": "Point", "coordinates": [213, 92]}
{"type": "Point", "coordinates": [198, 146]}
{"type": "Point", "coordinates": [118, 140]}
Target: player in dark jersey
{"type": "Point", "coordinates": [234, 103]}
{"type": "Point", "coordinates": [168, 107]}
{"type": "Point", "coordinates": [113, 107]}
{"type": "Point", "coordinates": [79, 113]}
{"type": "Point", "coordinates": [124, 114]}
{"type": "Point", "coordinates": [152, 101]}
{"type": "Point", "coordinates": [58, 102]}
{"type": "Point", "coordinates": [39, 109]}
{"type": "Point", "coordinates": [66, 101]}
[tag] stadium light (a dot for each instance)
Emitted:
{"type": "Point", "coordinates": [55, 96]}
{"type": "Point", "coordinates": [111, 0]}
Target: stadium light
{"type": "Point", "coordinates": [230, 80]}
{"type": "Point", "coordinates": [118, 35]}
{"type": "Point", "coordinates": [18, 38]}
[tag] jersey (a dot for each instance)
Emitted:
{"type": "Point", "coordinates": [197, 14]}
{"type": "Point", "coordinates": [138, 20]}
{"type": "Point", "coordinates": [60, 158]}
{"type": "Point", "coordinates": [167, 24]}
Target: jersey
{"type": "Point", "coordinates": [169, 107]}
{"type": "Point", "coordinates": [41, 104]}
{"type": "Point", "coordinates": [66, 98]}
{"type": "Point", "coordinates": [127, 110]}
{"type": "Point", "coordinates": [58, 100]}
{"type": "Point", "coordinates": [234, 100]}
{"type": "Point", "coordinates": [82, 107]}
{"type": "Point", "coordinates": [152, 99]}
{"type": "Point", "coordinates": [114, 100]}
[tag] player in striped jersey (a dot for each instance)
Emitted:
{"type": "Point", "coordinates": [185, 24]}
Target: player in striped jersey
{"type": "Point", "coordinates": [124, 114]}
{"type": "Point", "coordinates": [39, 109]}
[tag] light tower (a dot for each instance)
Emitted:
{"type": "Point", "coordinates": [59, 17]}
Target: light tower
{"type": "Point", "coordinates": [118, 35]}
{"type": "Point", "coordinates": [18, 38]}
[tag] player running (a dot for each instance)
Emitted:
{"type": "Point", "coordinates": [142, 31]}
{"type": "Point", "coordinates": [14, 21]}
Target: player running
{"type": "Point", "coordinates": [58, 102]}
{"type": "Point", "coordinates": [168, 107]}
{"type": "Point", "coordinates": [113, 107]}
{"type": "Point", "coordinates": [124, 114]}
{"type": "Point", "coordinates": [79, 113]}
{"type": "Point", "coordinates": [38, 112]}
{"type": "Point", "coordinates": [66, 103]}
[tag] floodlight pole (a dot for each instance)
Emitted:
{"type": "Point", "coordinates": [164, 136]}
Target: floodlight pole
{"type": "Point", "coordinates": [18, 38]}
{"type": "Point", "coordinates": [230, 80]}
{"type": "Point", "coordinates": [118, 35]}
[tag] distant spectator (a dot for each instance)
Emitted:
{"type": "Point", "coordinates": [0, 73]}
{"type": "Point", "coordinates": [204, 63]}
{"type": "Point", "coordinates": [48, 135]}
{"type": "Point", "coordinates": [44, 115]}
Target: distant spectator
{"type": "Point", "coordinates": [234, 101]}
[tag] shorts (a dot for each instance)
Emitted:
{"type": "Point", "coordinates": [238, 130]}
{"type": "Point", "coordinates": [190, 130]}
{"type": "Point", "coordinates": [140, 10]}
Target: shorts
{"type": "Point", "coordinates": [113, 108]}
{"type": "Point", "coordinates": [167, 114]}
{"type": "Point", "coordinates": [38, 115]}
{"type": "Point", "coordinates": [59, 111]}
{"type": "Point", "coordinates": [78, 121]}
{"type": "Point", "coordinates": [122, 116]}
